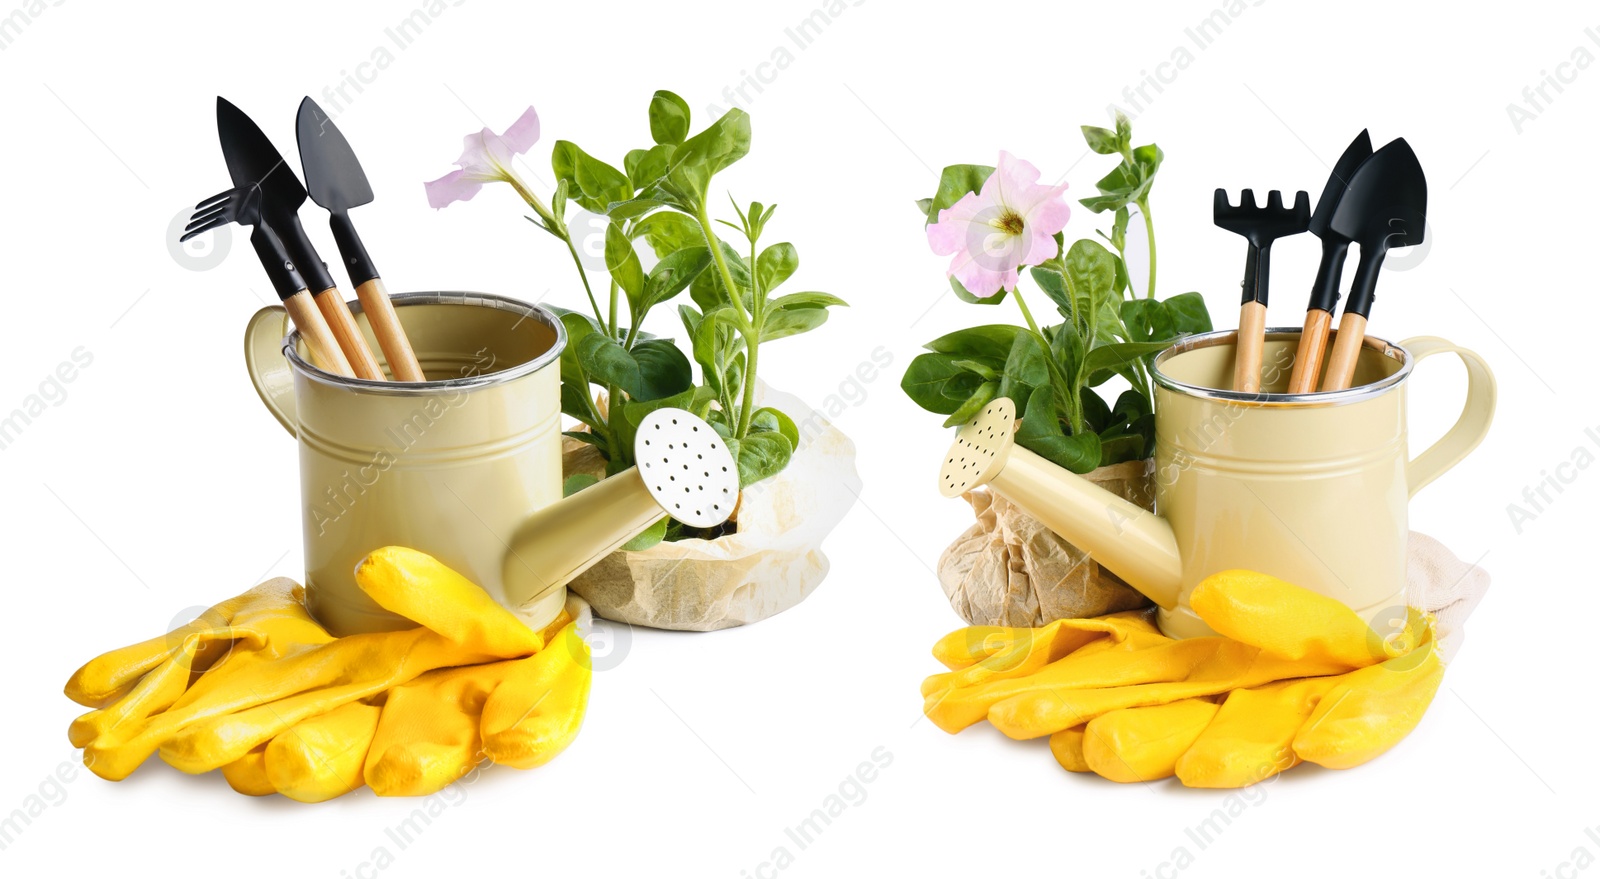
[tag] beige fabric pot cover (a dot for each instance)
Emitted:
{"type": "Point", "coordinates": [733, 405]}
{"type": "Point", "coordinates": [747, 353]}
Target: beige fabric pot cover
{"type": "Point", "coordinates": [769, 565]}
{"type": "Point", "coordinates": [1010, 570]}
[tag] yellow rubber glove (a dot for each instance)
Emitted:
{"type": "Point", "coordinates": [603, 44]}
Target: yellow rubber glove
{"type": "Point", "coordinates": [283, 668]}
{"type": "Point", "coordinates": [1336, 721]}
{"type": "Point", "coordinates": [1036, 682]}
{"type": "Point", "coordinates": [444, 724]}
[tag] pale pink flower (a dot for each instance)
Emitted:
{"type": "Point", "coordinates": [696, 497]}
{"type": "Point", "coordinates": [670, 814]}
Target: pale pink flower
{"type": "Point", "coordinates": [1010, 223]}
{"type": "Point", "coordinates": [486, 157]}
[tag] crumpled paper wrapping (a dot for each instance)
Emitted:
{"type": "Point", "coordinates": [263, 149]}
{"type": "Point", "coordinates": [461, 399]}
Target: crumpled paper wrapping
{"type": "Point", "coordinates": [1010, 570]}
{"type": "Point", "coordinates": [769, 565]}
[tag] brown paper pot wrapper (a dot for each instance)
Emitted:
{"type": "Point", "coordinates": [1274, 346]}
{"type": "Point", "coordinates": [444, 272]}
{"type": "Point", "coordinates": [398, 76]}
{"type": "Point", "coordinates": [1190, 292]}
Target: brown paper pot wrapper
{"type": "Point", "coordinates": [769, 565]}
{"type": "Point", "coordinates": [1009, 570]}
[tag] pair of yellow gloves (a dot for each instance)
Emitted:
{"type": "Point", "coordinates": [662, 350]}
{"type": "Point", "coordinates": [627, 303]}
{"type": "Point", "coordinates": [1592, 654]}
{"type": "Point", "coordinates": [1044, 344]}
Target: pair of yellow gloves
{"type": "Point", "coordinates": [258, 689]}
{"type": "Point", "coordinates": [1294, 676]}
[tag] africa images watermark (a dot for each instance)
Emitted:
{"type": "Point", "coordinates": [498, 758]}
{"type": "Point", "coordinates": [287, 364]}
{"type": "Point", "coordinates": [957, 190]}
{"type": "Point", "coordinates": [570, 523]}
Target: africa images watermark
{"type": "Point", "coordinates": [1138, 96]}
{"type": "Point", "coordinates": [850, 792]}
{"type": "Point", "coordinates": [1537, 497]}
{"type": "Point", "coordinates": [51, 393]}
{"type": "Point", "coordinates": [337, 500]}
{"type": "Point", "coordinates": [12, 24]}
{"type": "Point", "coordinates": [801, 35]}
{"type": "Point", "coordinates": [1539, 96]}
{"type": "Point", "coordinates": [399, 37]}
{"type": "Point", "coordinates": [50, 793]}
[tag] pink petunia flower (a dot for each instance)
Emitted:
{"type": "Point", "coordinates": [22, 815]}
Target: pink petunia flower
{"type": "Point", "coordinates": [1011, 222]}
{"type": "Point", "coordinates": [486, 157]}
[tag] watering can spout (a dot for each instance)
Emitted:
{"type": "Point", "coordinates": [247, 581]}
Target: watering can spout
{"type": "Point", "coordinates": [1130, 541]}
{"type": "Point", "coordinates": [684, 470]}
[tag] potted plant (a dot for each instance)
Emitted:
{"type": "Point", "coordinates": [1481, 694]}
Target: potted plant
{"type": "Point", "coordinates": [661, 241]}
{"type": "Point", "coordinates": [994, 222]}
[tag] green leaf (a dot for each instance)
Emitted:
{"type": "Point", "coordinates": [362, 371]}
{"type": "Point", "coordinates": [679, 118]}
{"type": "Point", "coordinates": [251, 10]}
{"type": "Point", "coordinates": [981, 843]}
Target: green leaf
{"type": "Point", "coordinates": [981, 369]}
{"type": "Point", "coordinates": [576, 325]}
{"type": "Point", "coordinates": [1043, 436]}
{"type": "Point", "coordinates": [1101, 140]}
{"type": "Point", "coordinates": [808, 299]}
{"type": "Point", "coordinates": [1091, 271]}
{"type": "Point", "coordinates": [776, 264]}
{"type": "Point", "coordinates": [761, 455]}
{"type": "Point", "coordinates": [663, 370]}
{"type": "Point", "coordinates": [669, 118]}
{"type": "Point", "coordinates": [706, 290]}
{"type": "Point", "coordinates": [768, 418]}
{"type": "Point", "coordinates": [668, 232]}
{"type": "Point", "coordinates": [671, 275]}
{"type": "Point", "coordinates": [623, 264]}
{"type": "Point", "coordinates": [1188, 313]}
{"type": "Point", "coordinates": [955, 182]}
{"type": "Point", "coordinates": [989, 344]}
{"type": "Point", "coordinates": [980, 398]}
{"type": "Point", "coordinates": [938, 383]}
{"type": "Point", "coordinates": [655, 368]}
{"type": "Point", "coordinates": [1025, 370]}
{"type": "Point", "coordinates": [965, 296]}
{"type": "Point", "coordinates": [646, 166]}
{"type": "Point", "coordinates": [577, 482]}
{"type": "Point", "coordinates": [591, 183]}
{"type": "Point", "coordinates": [1117, 358]}
{"type": "Point", "coordinates": [781, 323]}
{"type": "Point", "coordinates": [649, 537]}
{"type": "Point", "coordinates": [1117, 449]}
{"type": "Point", "coordinates": [1067, 347]}
{"type": "Point", "coordinates": [697, 159]}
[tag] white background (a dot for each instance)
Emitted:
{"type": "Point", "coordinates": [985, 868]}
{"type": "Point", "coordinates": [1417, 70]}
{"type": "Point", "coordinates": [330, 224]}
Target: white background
{"type": "Point", "coordinates": [159, 484]}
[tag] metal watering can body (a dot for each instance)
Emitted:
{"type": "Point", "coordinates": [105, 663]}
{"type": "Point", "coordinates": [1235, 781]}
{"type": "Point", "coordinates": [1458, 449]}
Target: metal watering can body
{"type": "Point", "coordinates": [465, 466]}
{"type": "Point", "coordinates": [1310, 488]}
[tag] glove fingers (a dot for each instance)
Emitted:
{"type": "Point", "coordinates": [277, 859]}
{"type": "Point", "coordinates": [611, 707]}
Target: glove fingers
{"type": "Point", "coordinates": [323, 757]}
{"type": "Point", "coordinates": [537, 710]}
{"type": "Point", "coordinates": [428, 735]}
{"type": "Point", "coordinates": [248, 774]}
{"type": "Point", "coordinates": [1286, 620]}
{"type": "Point", "coordinates": [982, 653]}
{"type": "Point", "coordinates": [1144, 744]}
{"type": "Point", "coordinates": [1102, 663]}
{"type": "Point", "coordinates": [103, 678]}
{"type": "Point", "coordinates": [419, 587]}
{"type": "Point", "coordinates": [1067, 747]}
{"type": "Point", "coordinates": [1369, 711]}
{"type": "Point", "coordinates": [1251, 738]}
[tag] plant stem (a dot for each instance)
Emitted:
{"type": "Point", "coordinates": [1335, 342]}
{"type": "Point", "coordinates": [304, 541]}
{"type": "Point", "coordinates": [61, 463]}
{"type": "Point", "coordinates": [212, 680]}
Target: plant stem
{"type": "Point", "coordinates": [1059, 379]}
{"type": "Point", "coordinates": [612, 327]}
{"type": "Point", "coordinates": [1150, 236]}
{"type": "Point", "coordinates": [746, 327]}
{"type": "Point", "coordinates": [747, 405]}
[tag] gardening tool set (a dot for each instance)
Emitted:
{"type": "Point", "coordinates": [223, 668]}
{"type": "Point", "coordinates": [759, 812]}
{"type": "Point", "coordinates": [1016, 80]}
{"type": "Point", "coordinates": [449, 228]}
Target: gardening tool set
{"type": "Point", "coordinates": [434, 627]}
{"type": "Point", "coordinates": [1279, 528]}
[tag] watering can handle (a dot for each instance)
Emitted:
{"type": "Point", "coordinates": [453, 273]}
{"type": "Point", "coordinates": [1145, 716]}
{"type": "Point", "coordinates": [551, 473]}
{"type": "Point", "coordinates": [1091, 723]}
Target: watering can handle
{"type": "Point", "coordinates": [269, 370]}
{"type": "Point", "coordinates": [1469, 429]}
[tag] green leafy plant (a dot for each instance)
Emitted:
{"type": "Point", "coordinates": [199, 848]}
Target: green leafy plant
{"type": "Point", "coordinates": [1051, 372]}
{"type": "Point", "coordinates": [661, 241]}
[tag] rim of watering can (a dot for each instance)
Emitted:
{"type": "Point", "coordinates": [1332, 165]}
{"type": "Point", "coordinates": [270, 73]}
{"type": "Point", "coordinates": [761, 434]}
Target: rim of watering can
{"type": "Point", "coordinates": [1261, 398]}
{"type": "Point", "coordinates": [442, 297]}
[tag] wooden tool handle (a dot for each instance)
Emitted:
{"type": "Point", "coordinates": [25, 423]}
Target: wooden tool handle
{"type": "Point", "coordinates": [314, 331]}
{"type": "Point", "coordinates": [1346, 346]}
{"type": "Point", "coordinates": [343, 325]}
{"type": "Point", "coordinates": [1247, 350]}
{"type": "Point", "coordinates": [391, 336]}
{"type": "Point", "coordinates": [1308, 356]}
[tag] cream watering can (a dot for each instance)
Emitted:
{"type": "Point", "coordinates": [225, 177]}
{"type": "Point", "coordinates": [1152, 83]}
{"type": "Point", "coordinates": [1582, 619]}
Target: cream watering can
{"type": "Point", "coordinates": [467, 465]}
{"type": "Point", "coordinates": [1310, 488]}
